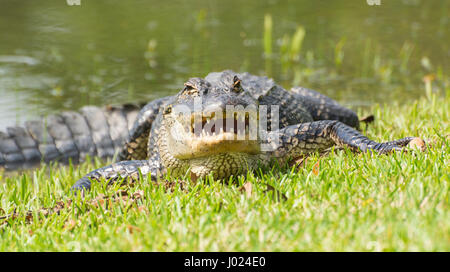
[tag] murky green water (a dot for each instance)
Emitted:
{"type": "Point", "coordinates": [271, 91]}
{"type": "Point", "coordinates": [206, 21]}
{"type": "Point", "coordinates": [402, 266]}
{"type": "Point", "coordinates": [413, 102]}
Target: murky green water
{"type": "Point", "coordinates": [55, 57]}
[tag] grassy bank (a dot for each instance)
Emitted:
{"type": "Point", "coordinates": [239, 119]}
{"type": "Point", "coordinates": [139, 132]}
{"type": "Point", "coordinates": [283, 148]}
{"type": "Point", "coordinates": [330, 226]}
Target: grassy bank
{"type": "Point", "coordinates": [339, 202]}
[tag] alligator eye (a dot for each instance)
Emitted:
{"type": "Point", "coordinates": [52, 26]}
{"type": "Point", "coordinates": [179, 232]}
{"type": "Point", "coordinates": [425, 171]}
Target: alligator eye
{"type": "Point", "coordinates": [190, 89]}
{"type": "Point", "coordinates": [237, 85]}
{"type": "Point", "coordinates": [168, 109]}
{"type": "Point", "coordinates": [188, 86]}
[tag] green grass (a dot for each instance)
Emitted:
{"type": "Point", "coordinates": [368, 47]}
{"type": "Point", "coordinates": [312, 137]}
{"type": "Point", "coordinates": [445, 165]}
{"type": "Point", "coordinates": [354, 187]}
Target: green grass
{"type": "Point", "coordinates": [339, 202]}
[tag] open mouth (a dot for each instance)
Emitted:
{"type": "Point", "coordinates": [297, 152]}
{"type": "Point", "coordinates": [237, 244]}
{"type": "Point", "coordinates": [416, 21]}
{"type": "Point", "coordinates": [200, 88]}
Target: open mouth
{"type": "Point", "coordinates": [213, 134]}
{"type": "Point", "coordinates": [216, 124]}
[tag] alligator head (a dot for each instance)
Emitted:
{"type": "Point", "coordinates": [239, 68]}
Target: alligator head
{"type": "Point", "coordinates": [211, 127]}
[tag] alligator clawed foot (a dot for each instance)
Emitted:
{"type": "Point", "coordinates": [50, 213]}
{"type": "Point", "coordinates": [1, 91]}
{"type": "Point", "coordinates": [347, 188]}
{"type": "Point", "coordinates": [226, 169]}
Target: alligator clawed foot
{"type": "Point", "coordinates": [417, 143]}
{"type": "Point", "coordinates": [402, 145]}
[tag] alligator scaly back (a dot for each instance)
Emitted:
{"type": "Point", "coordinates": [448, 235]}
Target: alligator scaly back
{"type": "Point", "coordinates": [70, 135]}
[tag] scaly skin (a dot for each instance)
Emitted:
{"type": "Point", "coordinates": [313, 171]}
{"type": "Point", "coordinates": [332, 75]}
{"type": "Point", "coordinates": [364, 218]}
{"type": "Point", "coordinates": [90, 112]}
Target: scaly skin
{"type": "Point", "coordinates": [67, 136]}
{"type": "Point", "coordinates": [162, 141]}
{"type": "Point", "coordinates": [153, 140]}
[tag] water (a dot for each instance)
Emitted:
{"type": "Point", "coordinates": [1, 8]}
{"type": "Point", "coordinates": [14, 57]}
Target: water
{"type": "Point", "coordinates": [56, 57]}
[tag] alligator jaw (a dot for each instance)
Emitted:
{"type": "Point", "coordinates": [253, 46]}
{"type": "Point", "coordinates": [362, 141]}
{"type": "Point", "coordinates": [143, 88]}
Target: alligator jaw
{"type": "Point", "coordinates": [201, 135]}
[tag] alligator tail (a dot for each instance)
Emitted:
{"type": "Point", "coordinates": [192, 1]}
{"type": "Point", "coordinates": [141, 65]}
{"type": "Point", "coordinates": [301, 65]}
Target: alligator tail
{"type": "Point", "coordinates": [68, 136]}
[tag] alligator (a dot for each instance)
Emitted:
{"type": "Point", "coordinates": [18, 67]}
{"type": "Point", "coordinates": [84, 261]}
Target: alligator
{"type": "Point", "coordinates": [222, 125]}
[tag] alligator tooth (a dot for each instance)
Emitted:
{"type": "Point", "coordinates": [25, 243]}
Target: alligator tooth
{"type": "Point", "coordinates": [241, 123]}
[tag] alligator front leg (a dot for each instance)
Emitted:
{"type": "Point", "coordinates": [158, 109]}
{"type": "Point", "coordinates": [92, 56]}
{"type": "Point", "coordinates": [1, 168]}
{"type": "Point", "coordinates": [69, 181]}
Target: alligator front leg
{"type": "Point", "coordinates": [120, 170]}
{"type": "Point", "coordinates": [135, 147]}
{"type": "Point", "coordinates": [297, 140]}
